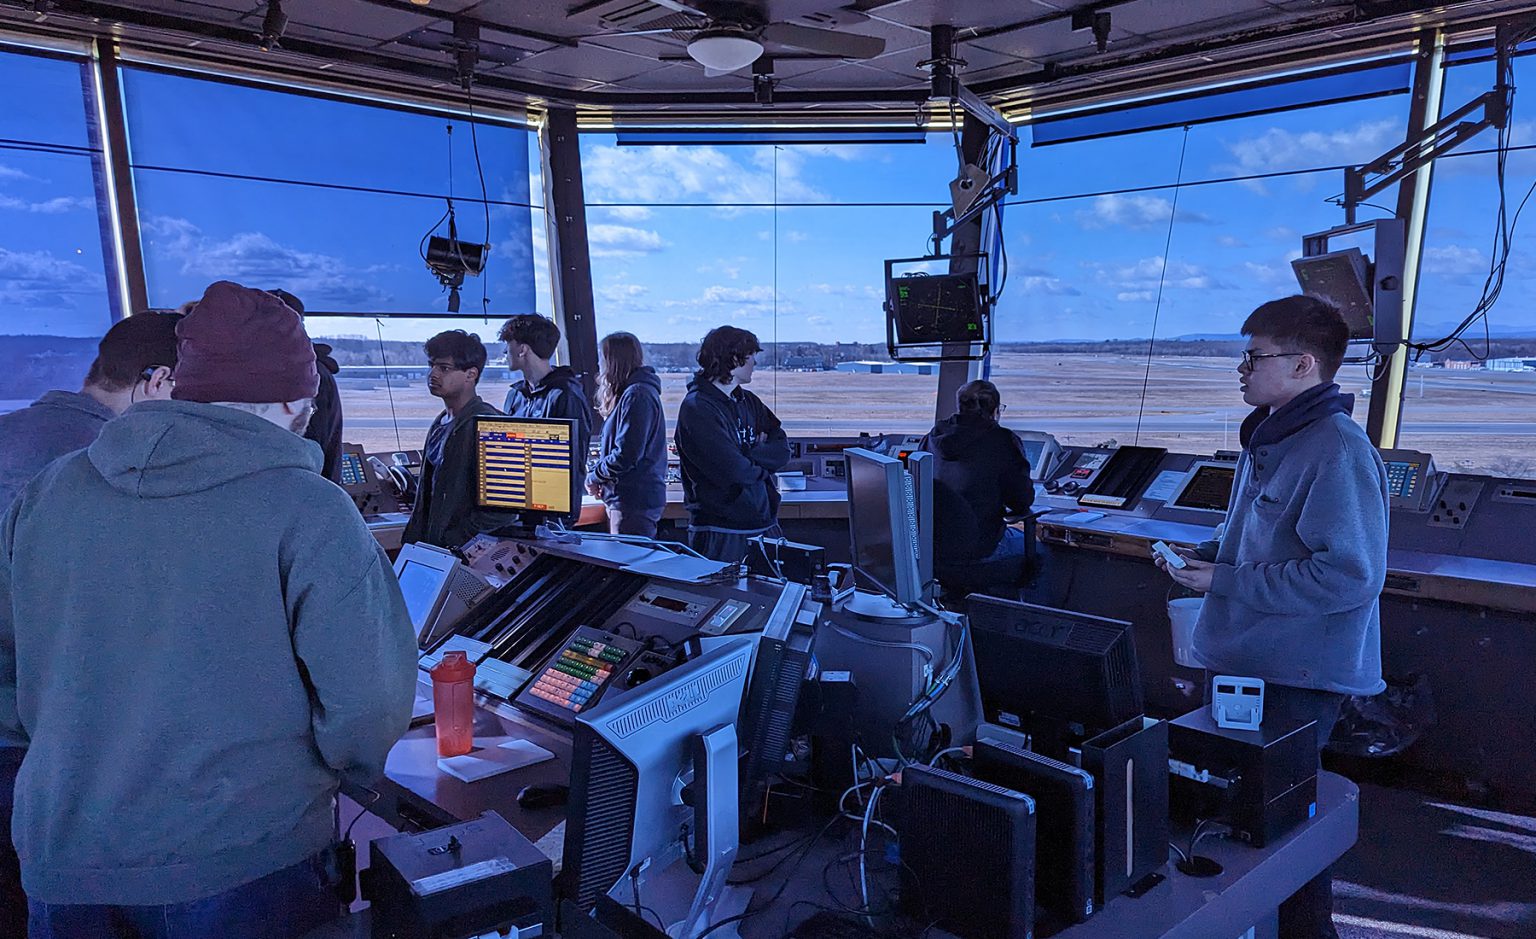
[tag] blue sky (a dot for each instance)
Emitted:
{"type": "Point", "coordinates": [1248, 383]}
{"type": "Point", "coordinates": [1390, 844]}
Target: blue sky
{"type": "Point", "coordinates": [684, 238]}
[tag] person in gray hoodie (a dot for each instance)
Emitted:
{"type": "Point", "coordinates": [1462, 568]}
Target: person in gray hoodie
{"type": "Point", "coordinates": [199, 640]}
{"type": "Point", "coordinates": [1293, 578]}
{"type": "Point", "coordinates": [629, 474]}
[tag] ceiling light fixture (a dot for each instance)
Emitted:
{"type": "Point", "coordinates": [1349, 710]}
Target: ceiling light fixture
{"type": "Point", "coordinates": [420, 3]}
{"type": "Point", "coordinates": [724, 50]}
{"type": "Point", "coordinates": [272, 25]}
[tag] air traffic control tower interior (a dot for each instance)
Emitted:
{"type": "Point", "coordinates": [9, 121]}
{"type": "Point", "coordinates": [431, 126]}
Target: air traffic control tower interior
{"type": "Point", "coordinates": [1029, 563]}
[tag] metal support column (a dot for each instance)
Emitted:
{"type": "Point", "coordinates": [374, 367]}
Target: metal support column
{"type": "Point", "coordinates": [108, 130]}
{"type": "Point", "coordinates": [1384, 418]}
{"type": "Point", "coordinates": [569, 259]}
{"type": "Point", "coordinates": [965, 240]}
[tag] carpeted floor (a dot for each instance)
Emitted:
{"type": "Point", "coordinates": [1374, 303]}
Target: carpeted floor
{"type": "Point", "coordinates": [1425, 868]}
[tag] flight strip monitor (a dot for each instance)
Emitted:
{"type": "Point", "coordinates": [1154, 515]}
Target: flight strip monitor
{"type": "Point", "coordinates": [525, 464]}
{"type": "Point", "coordinates": [1207, 487]}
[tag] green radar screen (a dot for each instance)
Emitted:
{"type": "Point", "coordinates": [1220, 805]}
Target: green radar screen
{"type": "Point", "coordinates": [937, 308]}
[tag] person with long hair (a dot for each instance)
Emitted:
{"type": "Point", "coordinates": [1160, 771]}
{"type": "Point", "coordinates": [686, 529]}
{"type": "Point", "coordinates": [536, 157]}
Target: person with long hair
{"type": "Point", "coordinates": [630, 472]}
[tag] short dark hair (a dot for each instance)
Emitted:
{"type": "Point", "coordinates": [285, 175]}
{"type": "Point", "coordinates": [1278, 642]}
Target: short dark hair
{"type": "Point", "coordinates": [725, 348]}
{"type": "Point", "coordinates": [132, 347]}
{"type": "Point", "coordinates": [465, 350]}
{"type": "Point", "coordinates": [1303, 323]}
{"type": "Point", "coordinates": [978, 397]}
{"type": "Point", "coordinates": [538, 333]}
{"type": "Point", "coordinates": [293, 303]}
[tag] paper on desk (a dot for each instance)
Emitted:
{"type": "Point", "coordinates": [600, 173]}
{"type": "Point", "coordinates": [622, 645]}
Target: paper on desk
{"type": "Point", "coordinates": [490, 761]}
{"type": "Point", "coordinates": [552, 845]}
{"type": "Point", "coordinates": [1164, 486]}
{"type": "Point", "coordinates": [678, 567]}
{"type": "Point", "coordinates": [472, 648]}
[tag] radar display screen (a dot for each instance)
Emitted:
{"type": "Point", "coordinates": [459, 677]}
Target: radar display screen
{"type": "Point", "coordinates": [936, 308]}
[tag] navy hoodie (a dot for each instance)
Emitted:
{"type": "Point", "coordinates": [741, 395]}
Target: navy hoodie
{"type": "Point", "coordinates": [980, 475]}
{"type": "Point", "coordinates": [632, 469]}
{"type": "Point", "coordinates": [559, 395]}
{"type": "Point", "coordinates": [728, 482]}
{"type": "Point", "coordinates": [325, 424]}
{"type": "Point", "coordinates": [199, 639]}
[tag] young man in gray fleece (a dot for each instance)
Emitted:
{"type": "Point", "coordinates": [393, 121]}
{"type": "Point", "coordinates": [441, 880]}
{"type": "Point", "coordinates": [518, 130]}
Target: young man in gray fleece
{"type": "Point", "coordinates": [1293, 579]}
{"type": "Point", "coordinates": [199, 640]}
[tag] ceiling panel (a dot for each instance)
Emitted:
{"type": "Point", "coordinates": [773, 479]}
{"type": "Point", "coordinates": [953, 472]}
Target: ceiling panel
{"type": "Point", "coordinates": [584, 63]}
{"type": "Point", "coordinates": [348, 16]}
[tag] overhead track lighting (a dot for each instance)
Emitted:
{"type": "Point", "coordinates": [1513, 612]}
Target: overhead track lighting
{"type": "Point", "coordinates": [272, 25]}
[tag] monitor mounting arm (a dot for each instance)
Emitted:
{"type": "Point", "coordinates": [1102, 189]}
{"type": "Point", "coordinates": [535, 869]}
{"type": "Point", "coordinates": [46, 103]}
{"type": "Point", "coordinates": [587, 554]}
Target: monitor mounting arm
{"type": "Point", "coordinates": [947, 89]}
{"type": "Point", "coordinates": [1448, 133]}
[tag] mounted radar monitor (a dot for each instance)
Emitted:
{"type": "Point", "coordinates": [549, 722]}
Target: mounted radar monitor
{"type": "Point", "coordinates": [1206, 488]}
{"type": "Point", "coordinates": [936, 316]}
{"type": "Point", "coordinates": [525, 465]}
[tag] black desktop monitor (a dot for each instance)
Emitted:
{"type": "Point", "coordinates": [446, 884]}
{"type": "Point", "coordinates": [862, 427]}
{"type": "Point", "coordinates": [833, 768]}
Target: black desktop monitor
{"type": "Point", "coordinates": [526, 465]}
{"type": "Point", "coordinates": [1207, 487]}
{"type": "Point", "coordinates": [1042, 669]}
{"type": "Point", "coordinates": [357, 477]}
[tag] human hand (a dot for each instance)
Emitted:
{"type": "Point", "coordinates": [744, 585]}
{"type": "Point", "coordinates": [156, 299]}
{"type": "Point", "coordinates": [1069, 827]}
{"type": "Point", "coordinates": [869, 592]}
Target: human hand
{"type": "Point", "coordinates": [594, 489]}
{"type": "Point", "coordinates": [1196, 574]}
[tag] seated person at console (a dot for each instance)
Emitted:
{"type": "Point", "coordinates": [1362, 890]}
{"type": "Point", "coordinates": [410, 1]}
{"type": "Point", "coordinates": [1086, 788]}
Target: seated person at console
{"type": "Point", "coordinates": [1293, 578]}
{"type": "Point", "coordinates": [630, 472]}
{"type": "Point", "coordinates": [980, 476]}
{"type": "Point", "coordinates": [729, 444]}
{"type": "Point", "coordinates": [445, 513]}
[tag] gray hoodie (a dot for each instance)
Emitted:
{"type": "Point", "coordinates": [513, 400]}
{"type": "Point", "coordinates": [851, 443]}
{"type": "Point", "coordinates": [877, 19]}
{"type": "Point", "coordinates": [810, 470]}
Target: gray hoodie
{"type": "Point", "coordinates": [59, 422]}
{"type": "Point", "coordinates": [198, 640]}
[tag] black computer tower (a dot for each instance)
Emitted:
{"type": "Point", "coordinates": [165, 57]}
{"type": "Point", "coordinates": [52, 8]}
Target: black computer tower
{"type": "Point", "coordinates": [1261, 783]}
{"type": "Point", "coordinates": [1064, 826]}
{"type": "Point", "coordinates": [968, 855]}
{"type": "Point", "coordinates": [1130, 765]}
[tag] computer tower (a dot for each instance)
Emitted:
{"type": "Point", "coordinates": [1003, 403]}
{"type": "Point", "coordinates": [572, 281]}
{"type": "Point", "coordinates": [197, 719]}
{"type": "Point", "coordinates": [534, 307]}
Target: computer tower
{"type": "Point", "coordinates": [1261, 783]}
{"type": "Point", "coordinates": [968, 855]}
{"type": "Point", "coordinates": [1064, 828]}
{"type": "Point", "coordinates": [1130, 765]}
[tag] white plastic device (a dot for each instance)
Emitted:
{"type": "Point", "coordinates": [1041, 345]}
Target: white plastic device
{"type": "Point", "coordinates": [1237, 703]}
{"type": "Point", "coordinates": [1172, 557]}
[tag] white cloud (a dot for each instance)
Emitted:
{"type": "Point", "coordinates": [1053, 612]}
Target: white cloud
{"type": "Point", "coordinates": [1452, 260]}
{"type": "Point", "coordinates": [619, 292]}
{"type": "Point", "coordinates": [54, 206]}
{"type": "Point", "coordinates": [860, 291]}
{"type": "Point", "coordinates": [1269, 275]}
{"type": "Point", "coordinates": [1133, 211]}
{"type": "Point", "coordinates": [619, 241]}
{"type": "Point", "coordinates": [1231, 241]}
{"type": "Point", "coordinates": [815, 320]}
{"type": "Point", "coordinates": [1277, 150]}
{"type": "Point", "coordinates": [1281, 233]}
{"type": "Point", "coordinates": [795, 237]}
{"type": "Point", "coordinates": [255, 258]}
{"type": "Point", "coordinates": [10, 172]}
{"type": "Point", "coordinates": [40, 281]}
{"type": "Point", "coordinates": [762, 295]}
{"type": "Point", "coordinates": [1050, 286]}
{"type": "Point", "coordinates": [1140, 281]}
{"type": "Point", "coordinates": [626, 213]}
{"type": "Point", "coordinates": [706, 175]}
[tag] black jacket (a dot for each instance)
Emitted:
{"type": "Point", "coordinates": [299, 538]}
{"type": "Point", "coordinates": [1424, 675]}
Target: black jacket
{"type": "Point", "coordinates": [632, 469]}
{"type": "Point", "coordinates": [728, 482]}
{"type": "Point", "coordinates": [980, 475]}
{"type": "Point", "coordinates": [446, 512]}
{"type": "Point", "coordinates": [325, 424]}
{"type": "Point", "coordinates": [559, 395]}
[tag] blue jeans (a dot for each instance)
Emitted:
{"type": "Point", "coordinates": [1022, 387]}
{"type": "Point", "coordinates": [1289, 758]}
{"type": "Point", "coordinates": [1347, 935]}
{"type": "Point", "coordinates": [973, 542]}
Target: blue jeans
{"type": "Point", "coordinates": [286, 903]}
{"type": "Point", "coordinates": [1013, 544]}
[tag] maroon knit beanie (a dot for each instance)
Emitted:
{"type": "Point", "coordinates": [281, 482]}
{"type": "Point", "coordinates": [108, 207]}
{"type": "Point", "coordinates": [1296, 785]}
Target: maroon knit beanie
{"type": "Point", "coordinates": [242, 344]}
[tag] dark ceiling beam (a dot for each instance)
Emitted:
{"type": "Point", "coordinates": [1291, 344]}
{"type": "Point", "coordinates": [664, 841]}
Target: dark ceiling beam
{"type": "Point", "coordinates": [404, 6]}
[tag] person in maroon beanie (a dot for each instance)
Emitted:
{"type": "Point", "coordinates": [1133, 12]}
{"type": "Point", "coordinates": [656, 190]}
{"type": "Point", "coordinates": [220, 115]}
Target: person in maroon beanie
{"type": "Point", "coordinates": [199, 641]}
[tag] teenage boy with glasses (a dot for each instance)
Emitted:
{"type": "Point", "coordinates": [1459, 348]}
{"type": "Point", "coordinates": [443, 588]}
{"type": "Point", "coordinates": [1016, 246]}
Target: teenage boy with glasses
{"type": "Point", "coordinates": [445, 513]}
{"type": "Point", "coordinates": [1293, 578]}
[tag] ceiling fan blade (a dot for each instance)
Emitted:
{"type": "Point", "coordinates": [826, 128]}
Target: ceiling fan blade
{"type": "Point", "coordinates": [679, 7]}
{"type": "Point", "coordinates": [843, 45]}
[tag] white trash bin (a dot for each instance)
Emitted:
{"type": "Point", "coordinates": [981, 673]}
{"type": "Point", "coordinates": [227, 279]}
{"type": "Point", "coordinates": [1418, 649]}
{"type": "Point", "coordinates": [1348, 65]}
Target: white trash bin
{"type": "Point", "coordinates": [1182, 614]}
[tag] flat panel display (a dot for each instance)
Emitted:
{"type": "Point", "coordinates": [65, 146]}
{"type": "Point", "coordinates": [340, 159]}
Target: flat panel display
{"type": "Point", "coordinates": [1208, 487]}
{"type": "Point", "coordinates": [525, 465]}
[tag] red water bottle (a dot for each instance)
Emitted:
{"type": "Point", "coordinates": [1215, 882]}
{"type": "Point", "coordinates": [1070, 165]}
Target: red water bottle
{"type": "Point", "coordinates": [453, 704]}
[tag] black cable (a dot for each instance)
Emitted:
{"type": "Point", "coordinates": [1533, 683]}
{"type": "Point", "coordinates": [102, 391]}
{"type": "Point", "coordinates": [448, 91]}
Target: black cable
{"type": "Point", "coordinates": [1173, 213]}
{"type": "Point", "coordinates": [777, 893]}
{"type": "Point", "coordinates": [485, 260]}
{"type": "Point", "coordinates": [361, 811]}
{"type": "Point", "coordinates": [389, 385]}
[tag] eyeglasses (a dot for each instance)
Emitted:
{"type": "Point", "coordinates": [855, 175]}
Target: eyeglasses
{"type": "Point", "coordinates": [445, 367]}
{"type": "Point", "coordinates": [1250, 357]}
